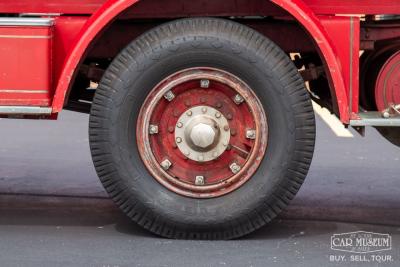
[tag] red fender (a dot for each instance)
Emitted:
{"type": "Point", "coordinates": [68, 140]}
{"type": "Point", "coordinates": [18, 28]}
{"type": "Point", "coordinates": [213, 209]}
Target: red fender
{"type": "Point", "coordinates": [112, 8]}
{"type": "Point", "coordinates": [103, 16]}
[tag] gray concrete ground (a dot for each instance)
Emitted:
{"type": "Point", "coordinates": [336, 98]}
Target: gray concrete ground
{"type": "Point", "coordinates": [54, 211]}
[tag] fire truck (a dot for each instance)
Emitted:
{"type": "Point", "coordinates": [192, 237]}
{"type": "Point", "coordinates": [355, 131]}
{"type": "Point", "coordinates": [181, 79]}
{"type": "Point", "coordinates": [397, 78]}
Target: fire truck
{"type": "Point", "coordinates": [201, 119]}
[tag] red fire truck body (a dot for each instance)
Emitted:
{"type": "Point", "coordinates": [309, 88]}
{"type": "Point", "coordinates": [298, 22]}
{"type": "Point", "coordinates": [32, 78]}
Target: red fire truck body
{"type": "Point", "coordinates": [54, 54]}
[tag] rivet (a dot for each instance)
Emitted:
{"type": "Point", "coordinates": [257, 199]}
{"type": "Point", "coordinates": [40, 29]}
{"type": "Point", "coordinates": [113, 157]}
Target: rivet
{"type": "Point", "coordinates": [179, 125]}
{"type": "Point", "coordinates": [166, 164]}
{"type": "Point", "coordinates": [187, 153]}
{"type": "Point", "coordinates": [229, 116]}
{"type": "Point", "coordinates": [179, 140]}
{"type": "Point", "coordinates": [235, 168]}
{"type": "Point", "coordinates": [233, 132]}
{"type": "Point", "coordinates": [251, 134]}
{"type": "Point", "coordinates": [203, 99]}
{"type": "Point", "coordinates": [226, 128]}
{"type": "Point", "coordinates": [238, 99]}
{"type": "Point", "coordinates": [204, 110]}
{"type": "Point", "coordinates": [215, 154]}
{"type": "Point", "coordinates": [217, 115]}
{"type": "Point", "coordinates": [171, 129]}
{"type": "Point", "coordinates": [189, 113]}
{"type": "Point", "coordinates": [200, 157]}
{"type": "Point", "coordinates": [187, 103]}
{"type": "Point", "coordinates": [153, 129]}
{"type": "Point", "coordinates": [204, 83]}
{"type": "Point", "coordinates": [218, 105]}
{"type": "Point", "coordinates": [199, 180]}
{"type": "Point", "coordinates": [169, 96]}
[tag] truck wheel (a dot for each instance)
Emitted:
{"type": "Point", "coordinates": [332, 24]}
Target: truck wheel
{"type": "Point", "coordinates": [202, 129]}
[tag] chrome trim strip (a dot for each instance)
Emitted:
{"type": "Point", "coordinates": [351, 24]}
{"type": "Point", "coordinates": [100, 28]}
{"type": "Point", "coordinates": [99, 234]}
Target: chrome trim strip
{"type": "Point", "coordinates": [26, 22]}
{"type": "Point", "coordinates": [25, 36]}
{"type": "Point", "coordinates": [12, 110]}
{"type": "Point", "coordinates": [16, 91]}
{"type": "Point", "coordinates": [39, 14]}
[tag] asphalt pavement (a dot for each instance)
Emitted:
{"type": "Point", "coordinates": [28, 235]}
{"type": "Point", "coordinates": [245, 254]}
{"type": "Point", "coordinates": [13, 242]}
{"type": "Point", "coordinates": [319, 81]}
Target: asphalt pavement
{"type": "Point", "coordinates": [54, 211]}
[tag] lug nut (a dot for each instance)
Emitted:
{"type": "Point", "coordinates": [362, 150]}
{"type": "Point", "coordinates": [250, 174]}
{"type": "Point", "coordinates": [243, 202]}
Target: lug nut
{"type": "Point", "coordinates": [199, 180]}
{"type": "Point", "coordinates": [251, 134]}
{"type": "Point", "coordinates": [205, 83]}
{"type": "Point", "coordinates": [235, 168]}
{"type": "Point", "coordinates": [238, 99]}
{"type": "Point", "coordinates": [153, 129]}
{"type": "Point", "coordinates": [179, 140]}
{"type": "Point", "coordinates": [169, 96]}
{"type": "Point", "coordinates": [179, 125]}
{"type": "Point", "coordinates": [166, 164]}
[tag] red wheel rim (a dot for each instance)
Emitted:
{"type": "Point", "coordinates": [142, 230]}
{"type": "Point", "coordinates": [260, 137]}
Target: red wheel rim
{"type": "Point", "coordinates": [202, 132]}
{"type": "Point", "coordinates": [387, 89]}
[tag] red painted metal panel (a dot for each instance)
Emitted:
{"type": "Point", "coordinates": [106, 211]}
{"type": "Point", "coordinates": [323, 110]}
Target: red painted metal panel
{"type": "Point", "coordinates": [296, 8]}
{"type": "Point", "coordinates": [90, 6]}
{"type": "Point", "coordinates": [25, 65]}
{"type": "Point", "coordinates": [66, 30]}
{"type": "Point", "coordinates": [50, 6]}
{"type": "Point", "coordinates": [345, 32]}
{"type": "Point", "coordinates": [354, 6]}
{"type": "Point", "coordinates": [313, 25]}
{"type": "Point", "coordinates": [92, 27]}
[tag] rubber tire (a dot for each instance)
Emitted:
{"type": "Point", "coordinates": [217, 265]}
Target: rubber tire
{"type": "Point", "coordinates": [215, 43]}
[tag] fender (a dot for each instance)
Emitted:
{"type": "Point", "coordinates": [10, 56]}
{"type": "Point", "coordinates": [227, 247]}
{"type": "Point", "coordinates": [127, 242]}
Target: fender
{"type": "Point", "coordinates": [296, 8]}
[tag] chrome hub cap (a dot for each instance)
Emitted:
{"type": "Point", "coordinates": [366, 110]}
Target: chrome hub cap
{"type": "Point", "coordinates": [202, 133]}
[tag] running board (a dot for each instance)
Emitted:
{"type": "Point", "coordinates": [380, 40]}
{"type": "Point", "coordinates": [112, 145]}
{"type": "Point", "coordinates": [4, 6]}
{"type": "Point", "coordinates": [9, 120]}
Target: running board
{"type": "Point", "coordinates": [373, 118]}
{"type": "Point", "coordinates": [22, 110]}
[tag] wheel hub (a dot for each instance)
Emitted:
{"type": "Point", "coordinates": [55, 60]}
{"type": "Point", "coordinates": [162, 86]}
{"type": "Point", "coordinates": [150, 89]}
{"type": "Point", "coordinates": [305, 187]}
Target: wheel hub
{"type": "Point", "coordinates": [202, 133]}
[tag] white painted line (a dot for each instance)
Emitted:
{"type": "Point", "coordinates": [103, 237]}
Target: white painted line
{"type": "Point", "coordinates": [332, 121]}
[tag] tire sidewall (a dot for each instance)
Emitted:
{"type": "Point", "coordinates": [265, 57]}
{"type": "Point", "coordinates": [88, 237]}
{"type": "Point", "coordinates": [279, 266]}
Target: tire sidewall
{"type": "Point", "coordinates": [132, 82]}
